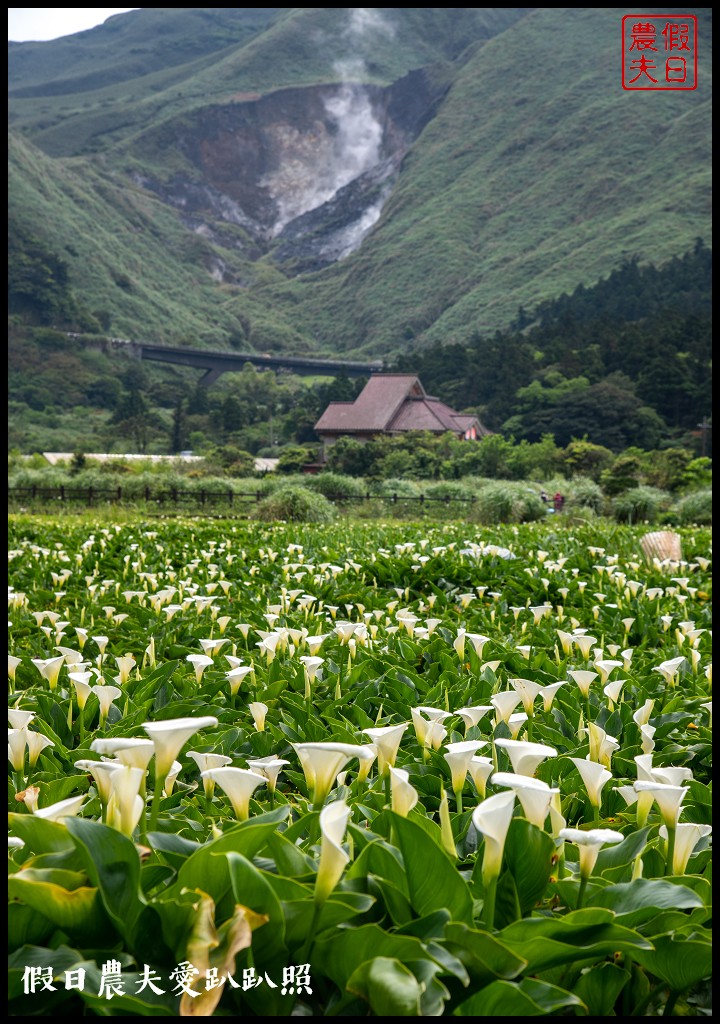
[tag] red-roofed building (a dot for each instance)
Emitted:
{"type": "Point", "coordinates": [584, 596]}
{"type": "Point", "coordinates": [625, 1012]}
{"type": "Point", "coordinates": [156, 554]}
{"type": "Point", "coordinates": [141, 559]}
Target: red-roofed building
{"type": "Point", "coordinates": [393, 403]}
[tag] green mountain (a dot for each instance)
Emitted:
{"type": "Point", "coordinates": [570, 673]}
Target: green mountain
{"type": "Point", "coordinates": [360, 182]}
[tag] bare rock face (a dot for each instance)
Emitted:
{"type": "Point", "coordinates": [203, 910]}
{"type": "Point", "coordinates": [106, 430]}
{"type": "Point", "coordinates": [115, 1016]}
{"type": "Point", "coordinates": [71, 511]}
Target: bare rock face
{"type": "Point", "coordinates": [304, 172]}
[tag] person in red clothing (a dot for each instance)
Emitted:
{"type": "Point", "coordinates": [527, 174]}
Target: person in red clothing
{"type": "Point", "coordinates": [558, 501]}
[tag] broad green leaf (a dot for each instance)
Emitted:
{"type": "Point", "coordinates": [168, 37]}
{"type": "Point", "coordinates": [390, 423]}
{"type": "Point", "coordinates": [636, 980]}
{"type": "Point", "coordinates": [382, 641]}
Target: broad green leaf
{"type": "Point", "coordinates": [391, 988]}
{"type": "Point", "coordinates": [680, 962]}
{"type": "Point", "coordinates": [433, 994]}
{"type": "Point", "coordinates": [432, 879]}
{"type": "Point", "coordinates": [252, 890]}
{"type": "Point", "coordinates": [337, 909]}
{"type": "Point", "coordinates": [137, 999]}
{"type": "Point", "coordinates": [339, 953]}
{"type": "Point", "coordinates": [112, 863]}
{"type": "Point", "coordinates": [529, 856]}
{"type": "Point", "coordinates": [529, 998]}
{"type": "Point", "coordinates": [27, 927]}
{"type": "Point", "coordinates": [622, 853]}
{"type": "Point", "coordinates": [638, 901]}
{"type": "Point", "coordinates": [584, 934]}
{"type": "Point", "coordinates": [507, 901]}
{"type": "Point", "coordinates": [484, 957]}
{"type": "Point", "coordinates": [396, 903]}
{"type": "Point", "coordinates": [39, 835]}
{"type": "Point", "coordinates": [173, 848]}
{"type": "Point", "coordinates": [381, 859]}
{"type": "Point", "coordinates": [599, 988]}
{"type": "Point", "coordinates": [77, 911]}
{"type": "Point", "coordinates": [289, 859]}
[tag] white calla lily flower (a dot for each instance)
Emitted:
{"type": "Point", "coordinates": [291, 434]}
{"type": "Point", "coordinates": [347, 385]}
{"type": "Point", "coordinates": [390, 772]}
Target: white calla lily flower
{"type": "Point", "coordinates": [504, 703]}
{"type": "Point", "coordinates": [492, 819]}
{"type": "Point", "coordinates": [525, 756]}
{"type": "Point", "coordinates": [125, 805]}
{"type": "Point", "coordinates": [481, 768]}
{"type": "Point", "coordinates": [668, 799]}
{"type": "Point", "coordinates": [472, 715]}
{"type": "Point", "coordinates": [458, 756]}
{"type": "Point", "coordinates": [333, 823]}
{"type": "Point", "coordinates": [403, 795]}
{"type": "Point", "coordinates": [534, 795]}
{"type": "Point", "coordinates": [270, 767]}
{"type": "Point", "coordinates": [19, 719]}
{"type": "Point", "coordinates": [642, 715]}
{"type": "Point", "coordinates": [687, 836]}
{"type": "Point", "coordinates": [170, 736]}
{"type": "Point", "coordinates": [239, 784]}
{"type": "Point", "coordinates": [584, 678]}
{"type": "Point", "coordinates": [387, 739]}
{"type": "Point", "coordinates": [322, 763]}
{"type": "Point", "coordinates": [594, 776]}
{"type": "Point", "coordinates": [528, 691]}
{"type": "Point", "coordinates": [589, 844]}
{"type": "Point", "coordinates": [258, 710]}
{"type": "Point", "coordinates": [62, 809]}
{"type": "Point", "coordinates": [36, 743]}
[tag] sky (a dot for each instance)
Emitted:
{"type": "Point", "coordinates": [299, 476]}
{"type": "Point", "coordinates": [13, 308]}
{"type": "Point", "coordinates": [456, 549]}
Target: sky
{"type": "Point", "coordinates": [43, 23]}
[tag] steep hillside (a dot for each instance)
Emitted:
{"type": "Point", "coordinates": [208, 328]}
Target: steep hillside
{"type": "Point", "coordinates": [346, 180]}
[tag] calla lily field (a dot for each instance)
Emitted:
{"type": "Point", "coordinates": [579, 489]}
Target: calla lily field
{"type": "Point", "coordinates": [357, 769]}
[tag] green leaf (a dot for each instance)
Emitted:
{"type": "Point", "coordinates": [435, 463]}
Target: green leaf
{"type": "Point", "coordinates": [681, 963]}
{"type": "Point", "coordinates": [251, 889]}
{"type": "Point", "coordinates": [381, 859]}
{"type": "Point", "coordinates": [599, 988]}
{"type": "Point", "coordinates": [113, 865]}
{"type": "Point", "coordinates": [27, 927]}
{"type": "Point", "coordinates": [391, 988]}
{"type": "Point", "coordinates": [432, 879]}
{"type": "Point", "coordinates": [289, 859]}
{"type": "Point", "coordinates": [528, 856]}
{"type": "Point", "coordinates": [77, 911]}
{"type": "Point", "coordinates": [172, 848]}
{"type": "Point", "coordinates": [530, 998]}
{"type": "Point", "coordinates": [638, 901]}
{"type": "Point", "coordinates": [623, 853]}
{"type": "Point", "coordinates": [339, 953]}
{"type": "Point", "coordinates": [583, 934]}
{"type": "Point", "coordinates": [507, 901]}
{"type": "Point", "coordinates": [484, 957]}
{"type": "Point", "coordinates": [39, 835]}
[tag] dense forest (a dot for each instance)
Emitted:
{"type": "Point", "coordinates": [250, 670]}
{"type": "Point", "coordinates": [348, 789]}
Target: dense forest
{"type": "Point", "coordinates": [626, 362]}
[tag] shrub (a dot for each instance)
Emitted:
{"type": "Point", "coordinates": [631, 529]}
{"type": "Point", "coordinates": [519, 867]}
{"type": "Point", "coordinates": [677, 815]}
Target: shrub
{"type": "Point", "coordinates": [295, 504]}
{"type": "Point", "coordinates": [581, 492]}
{"type": "Point", "coordinates": [696, 508]}
{"type": "Point", "coordinates": [640, 505]}
{"type": "Point", "coordinates": [336, 485]}
{"type": "Point", "coordinates": [505, 502]}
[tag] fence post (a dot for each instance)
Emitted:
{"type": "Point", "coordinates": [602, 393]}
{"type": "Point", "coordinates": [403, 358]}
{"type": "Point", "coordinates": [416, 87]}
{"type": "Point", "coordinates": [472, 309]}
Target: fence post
{"type": "Point", "coordinates": [147, 493]}
{"type": "Point", "coordinates": [33, 490]}
{"type": "Point", "coordinates": [394, 498]}
{"type": "Point", "coordinates": [174, 494]}
{"type": "Point", "coordinates": [62, 493]}
{"type": "Point", "coordinates": [202, 496]}
{"type": "Point", "coordinates": [230, 497]}
{"type": "Point", "coordinates": [89, 495]}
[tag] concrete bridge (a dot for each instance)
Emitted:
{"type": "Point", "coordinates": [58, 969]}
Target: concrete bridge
{"type": "Point", "coordinates": [215, 363]}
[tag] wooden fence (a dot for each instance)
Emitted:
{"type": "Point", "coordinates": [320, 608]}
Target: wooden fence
{"type": "Point", "coordinates": [174, 497]}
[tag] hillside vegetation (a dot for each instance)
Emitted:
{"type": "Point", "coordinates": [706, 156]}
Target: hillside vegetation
{"type": "Point", "coordinates": [153, 162]}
